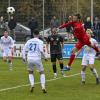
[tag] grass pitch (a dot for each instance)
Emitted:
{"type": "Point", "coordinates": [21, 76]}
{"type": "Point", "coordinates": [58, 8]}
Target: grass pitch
{"type": "Point", "coordinates": [14, 84]}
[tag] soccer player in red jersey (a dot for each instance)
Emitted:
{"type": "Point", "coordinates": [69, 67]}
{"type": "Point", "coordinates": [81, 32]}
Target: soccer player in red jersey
{"type": "Point", "coordinates": [82, 37]}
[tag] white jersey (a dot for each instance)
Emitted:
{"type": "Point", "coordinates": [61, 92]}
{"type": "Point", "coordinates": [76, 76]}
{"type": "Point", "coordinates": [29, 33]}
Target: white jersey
{"type": "Point", "coordinates": [6, 43]}
{"type": "Point", "coordinates": [88, 51]}
{"type": "Point", "coordinates": [33, 48]}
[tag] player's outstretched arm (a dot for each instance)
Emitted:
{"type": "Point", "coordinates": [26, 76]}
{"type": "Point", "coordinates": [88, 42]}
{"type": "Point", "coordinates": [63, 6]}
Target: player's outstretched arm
{"type": "Point", "coordinates": [66, 25]}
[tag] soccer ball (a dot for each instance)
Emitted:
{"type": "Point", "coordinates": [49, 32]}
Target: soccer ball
{"type": "Point", "coordinates": [11, 10]}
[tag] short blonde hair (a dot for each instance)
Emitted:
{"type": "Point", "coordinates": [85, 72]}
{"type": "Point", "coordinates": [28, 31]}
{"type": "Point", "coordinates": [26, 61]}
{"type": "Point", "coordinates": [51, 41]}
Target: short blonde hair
{"type": "Point", "coordinates": [89, 31]}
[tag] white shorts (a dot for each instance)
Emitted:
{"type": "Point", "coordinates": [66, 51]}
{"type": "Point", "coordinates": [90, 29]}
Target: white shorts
{"type": "Point", "coordinates": [7, 53]}
{"type": "Point", "coordinates": [86, 60]}
{"type": "Point", "coordinates": [32, 63]}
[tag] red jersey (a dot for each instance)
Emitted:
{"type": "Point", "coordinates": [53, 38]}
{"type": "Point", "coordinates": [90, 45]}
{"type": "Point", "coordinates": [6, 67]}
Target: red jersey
{"type": "Point", "coordinates": [78, 29]}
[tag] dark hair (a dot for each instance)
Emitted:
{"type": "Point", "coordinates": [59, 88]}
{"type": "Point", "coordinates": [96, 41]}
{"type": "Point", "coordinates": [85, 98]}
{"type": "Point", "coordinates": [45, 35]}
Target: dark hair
{"type": "Point", "coordinates": [36, 32]}
{"type": "Point", "coordinates": [78, 16]}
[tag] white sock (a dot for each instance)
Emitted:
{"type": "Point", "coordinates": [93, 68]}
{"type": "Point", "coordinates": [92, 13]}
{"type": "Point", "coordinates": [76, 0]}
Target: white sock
{"type": "Point", "coordinates": [31, 79]}
{"type": "Point", "coordinates": [95, 72]}
{"type": "Point", "coordinates": [42, 80]}
{"type": "Point", "coordinates": [83, 75]}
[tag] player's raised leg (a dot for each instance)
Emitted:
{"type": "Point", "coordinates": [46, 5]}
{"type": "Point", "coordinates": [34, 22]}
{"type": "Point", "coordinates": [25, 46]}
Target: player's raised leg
{"type": "Point", "coordinates": [77, 47]}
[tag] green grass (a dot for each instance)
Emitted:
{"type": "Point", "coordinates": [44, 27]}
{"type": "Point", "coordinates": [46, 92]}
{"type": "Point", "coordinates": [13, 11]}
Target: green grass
{"type": "Point", "coordinates": [60, 89]}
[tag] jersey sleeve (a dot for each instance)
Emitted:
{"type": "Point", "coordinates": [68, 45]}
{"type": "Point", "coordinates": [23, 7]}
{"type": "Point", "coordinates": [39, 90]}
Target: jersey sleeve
{"type": "Point", "coordinates": [66, 24]}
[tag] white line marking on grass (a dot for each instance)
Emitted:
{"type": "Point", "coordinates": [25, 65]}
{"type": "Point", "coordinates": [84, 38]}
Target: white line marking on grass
{"type": "Point", "coordinates": [5, 89]}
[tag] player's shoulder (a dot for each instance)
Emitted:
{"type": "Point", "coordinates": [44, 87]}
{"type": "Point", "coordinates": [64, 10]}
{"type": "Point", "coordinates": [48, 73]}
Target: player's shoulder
{"type": "Point", "coordinates": [35, 39]}
{"type": "Point", "coordinates": [93, 40]}
{"type": "Point", "coordinates": [40, 41]}
{"type": "Point", "coordinates": [2, 37]}
{"type": "Point", "coordinates": [30, 40]}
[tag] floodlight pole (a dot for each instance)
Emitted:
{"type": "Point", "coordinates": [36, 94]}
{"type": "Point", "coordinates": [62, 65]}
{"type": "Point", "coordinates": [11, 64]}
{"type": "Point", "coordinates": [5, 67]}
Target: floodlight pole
{"type": "Point", "coordinates": [9, 6]}
{"type": "Point", "coordinates": [8, 3]}
{"type": "Point", "coordinates": [77, 6]}
{"type": "Point", "coordinates": [43, 17]}
{"type": "Point", "coordinates": [92, 12]}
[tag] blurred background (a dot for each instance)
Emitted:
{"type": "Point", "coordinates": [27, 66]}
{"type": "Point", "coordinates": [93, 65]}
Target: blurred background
{"type": "Point", "coordinates": [44, 11]}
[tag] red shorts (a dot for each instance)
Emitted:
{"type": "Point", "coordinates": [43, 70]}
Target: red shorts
{"type": "Point", "coordinates": [82, 42]}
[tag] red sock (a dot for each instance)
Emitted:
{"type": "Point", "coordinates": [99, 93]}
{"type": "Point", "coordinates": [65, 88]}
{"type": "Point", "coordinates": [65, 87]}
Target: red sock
{"type": "Point", "coordinates": [72, 57]}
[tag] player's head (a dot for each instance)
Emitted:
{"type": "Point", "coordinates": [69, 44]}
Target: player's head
{"type": "Point", "coordinates": [89, 33]}
{"type": "Point", "coordinates": [36, 33]}
{"type": "Point", "coordinates": [6, 33]}
{"type": "Point", "coordinates": [54, 31]}
{"type": "Point", "coordinates": [77, 17]}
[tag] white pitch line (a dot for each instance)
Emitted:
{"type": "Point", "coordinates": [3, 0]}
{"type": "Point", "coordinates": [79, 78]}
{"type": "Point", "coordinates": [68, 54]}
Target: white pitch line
{"type": "Point", "coordinates": [5, 89]}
